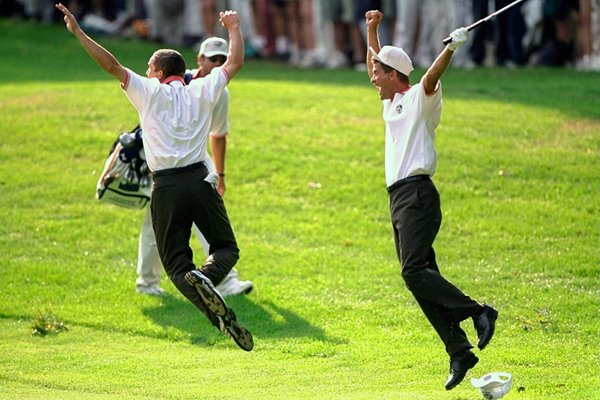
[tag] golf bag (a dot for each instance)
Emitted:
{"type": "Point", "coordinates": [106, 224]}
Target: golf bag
{"type": "Point", "coordinates": [125, 180]}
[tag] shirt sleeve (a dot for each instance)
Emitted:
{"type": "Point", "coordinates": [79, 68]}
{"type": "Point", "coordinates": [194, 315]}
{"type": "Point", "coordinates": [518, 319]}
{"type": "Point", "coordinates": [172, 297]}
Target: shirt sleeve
{"type": "Point", "coordinates": [428, 104]}
{"type": "Point", "coordinates": [220, 116]}
{"type": "Point", "coordinates": [138, 88]}
{"type": "Point", "coordinates": [213, 84]}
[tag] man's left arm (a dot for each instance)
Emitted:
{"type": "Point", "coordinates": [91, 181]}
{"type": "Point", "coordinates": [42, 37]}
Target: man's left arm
{"type": "Point", "coordinates": [219, 130]}
{"type": "Point", "coordinates": [218, 148]}
{"type": "Point", "coordinates": [235, 56]}
{"type": "Point", "coordinates": [432, 76]}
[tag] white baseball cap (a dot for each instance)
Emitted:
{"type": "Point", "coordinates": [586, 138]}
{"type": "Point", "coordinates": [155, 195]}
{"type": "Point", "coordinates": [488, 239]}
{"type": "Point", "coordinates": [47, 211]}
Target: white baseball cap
{"type": "Point", "coordinates": [394, 57]}
{"type": "Point", "coordinates": [214, 46]}
{"type": "Point", "coordinates": [493, 385]}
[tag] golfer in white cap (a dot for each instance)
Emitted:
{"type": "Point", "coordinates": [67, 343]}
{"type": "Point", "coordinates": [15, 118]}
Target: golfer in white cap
{"type": "Point", "coordinates": [411, 114]}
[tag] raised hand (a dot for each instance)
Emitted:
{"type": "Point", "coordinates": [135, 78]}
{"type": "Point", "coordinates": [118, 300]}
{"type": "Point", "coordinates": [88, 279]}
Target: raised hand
{"type": "Point", "coordinates": [373, 18]}
{"type": "Point", "coordinates": [459, 37]}
{"type": "Point", "coordinates": [70, 21]}
{"type": "Point", "coordinates": [229, 19]}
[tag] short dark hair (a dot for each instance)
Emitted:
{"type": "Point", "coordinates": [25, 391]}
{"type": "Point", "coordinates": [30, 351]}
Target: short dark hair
{"type": "Point", "coordinates": [387, 69]}
{"type": "Point", "coordinates": [170, 62]}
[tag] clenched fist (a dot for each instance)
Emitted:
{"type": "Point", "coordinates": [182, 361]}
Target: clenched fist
{"type": "Point", "coordinates": [229, 19]}
{"type": "Point", "coordinates": [373, 18]}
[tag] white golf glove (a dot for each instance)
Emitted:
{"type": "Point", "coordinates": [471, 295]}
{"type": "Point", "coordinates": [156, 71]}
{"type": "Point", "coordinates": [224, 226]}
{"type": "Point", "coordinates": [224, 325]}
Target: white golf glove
{"type": "Point", "coordinates": [213, 179]}
{"type": "Point", "coordinates": [459, 37]}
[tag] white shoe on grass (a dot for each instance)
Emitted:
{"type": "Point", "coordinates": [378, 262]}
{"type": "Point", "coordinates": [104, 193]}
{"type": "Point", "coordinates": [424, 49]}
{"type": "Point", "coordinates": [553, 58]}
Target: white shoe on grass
{"type": "Point", "coordinates": [232, 286]}
{"type": "Point", "coordinates": [150, 290]}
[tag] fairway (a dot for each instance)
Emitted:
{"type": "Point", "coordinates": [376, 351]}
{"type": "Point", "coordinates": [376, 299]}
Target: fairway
{"type": "Point", "coordinates": [519, 178]}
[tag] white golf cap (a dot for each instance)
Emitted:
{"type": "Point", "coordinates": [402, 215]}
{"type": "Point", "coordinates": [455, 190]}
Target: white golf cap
{"type": "Point", "coordinates": [214, 46]}
{"type": "Point", "coordinates": [493, 385]}
{"type": "Point", "coordinates": [394, 57]}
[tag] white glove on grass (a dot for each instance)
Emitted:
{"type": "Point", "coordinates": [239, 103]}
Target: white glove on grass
{"type": "Point", "coordinates": [459, 37]}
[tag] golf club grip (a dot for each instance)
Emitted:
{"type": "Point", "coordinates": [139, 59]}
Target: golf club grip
{"type": "Point", "coordinates": [469, 28]}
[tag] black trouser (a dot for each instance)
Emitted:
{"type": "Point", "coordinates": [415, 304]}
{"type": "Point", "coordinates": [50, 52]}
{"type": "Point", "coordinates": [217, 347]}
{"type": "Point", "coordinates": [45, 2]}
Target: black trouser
{"type": "Point", "coordinates": [416, 219]}
{"type": "Point", "coordinates": [181, 197]}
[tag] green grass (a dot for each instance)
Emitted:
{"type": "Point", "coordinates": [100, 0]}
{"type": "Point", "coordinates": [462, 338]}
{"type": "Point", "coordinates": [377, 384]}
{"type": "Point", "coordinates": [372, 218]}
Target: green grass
{"type": "Point", "coordinates": [518, 173]}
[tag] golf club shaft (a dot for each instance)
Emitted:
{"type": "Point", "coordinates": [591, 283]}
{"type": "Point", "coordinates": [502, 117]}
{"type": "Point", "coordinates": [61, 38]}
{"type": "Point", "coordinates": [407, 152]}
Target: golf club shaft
{"type": "Point", "coordinates": [486, 19]}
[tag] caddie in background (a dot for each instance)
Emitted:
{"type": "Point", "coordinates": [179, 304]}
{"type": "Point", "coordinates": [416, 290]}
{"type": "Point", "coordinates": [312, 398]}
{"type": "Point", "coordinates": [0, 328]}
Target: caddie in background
{"type": "Point", "coordinates": [411, 114]}
{"type": "Point", "coordinates": [212, 54]}
{"type": "Point", "coordinates": [175, 119]}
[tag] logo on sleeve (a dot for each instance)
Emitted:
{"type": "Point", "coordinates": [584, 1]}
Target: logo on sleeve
{"type": "Point", "coordinates": [399, 108]}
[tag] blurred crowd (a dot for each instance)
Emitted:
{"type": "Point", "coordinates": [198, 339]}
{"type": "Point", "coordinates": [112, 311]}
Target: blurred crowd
{"type": "Point", "coordinates": [331, 33]}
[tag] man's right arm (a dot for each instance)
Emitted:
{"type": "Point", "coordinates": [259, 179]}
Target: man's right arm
{"type": "Point", "coordinates": [372, 18]}
{"type": "Point", "coordinates": [102, 56]}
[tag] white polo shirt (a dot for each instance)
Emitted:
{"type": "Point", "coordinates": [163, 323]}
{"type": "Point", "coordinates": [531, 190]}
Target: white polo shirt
{"type": "Point", "coordinates": [176, 118]}
{"type": "Point", "coordinates": [220, 117]}
{"type": "Point", "coordinates": [410, 122]}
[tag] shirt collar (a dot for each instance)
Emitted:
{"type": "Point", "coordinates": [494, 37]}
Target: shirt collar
{"type": "Point", "coordinates": [173, 78]}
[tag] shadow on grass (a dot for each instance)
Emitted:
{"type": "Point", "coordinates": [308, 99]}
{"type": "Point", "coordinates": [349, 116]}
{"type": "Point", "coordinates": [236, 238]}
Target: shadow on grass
{"type": "Point", "coordinates": [263, 320]}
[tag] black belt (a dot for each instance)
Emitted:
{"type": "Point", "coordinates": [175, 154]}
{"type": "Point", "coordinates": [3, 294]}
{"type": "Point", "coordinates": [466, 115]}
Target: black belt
{"type": "Point", "coordinates": [180, 170]}
{"type": "Point", "coordinates": [414, 178]}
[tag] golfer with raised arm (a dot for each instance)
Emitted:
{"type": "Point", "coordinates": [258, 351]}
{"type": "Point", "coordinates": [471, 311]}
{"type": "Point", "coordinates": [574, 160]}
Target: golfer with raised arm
{"type": "Point", "coordinates": [411, 114]}
{"type": "Point", "coordinates": [176, 120]}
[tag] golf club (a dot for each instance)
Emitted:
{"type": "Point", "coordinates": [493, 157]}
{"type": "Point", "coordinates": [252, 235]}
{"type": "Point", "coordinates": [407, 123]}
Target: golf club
{"type": "Point", "coordinates": [486, 19]}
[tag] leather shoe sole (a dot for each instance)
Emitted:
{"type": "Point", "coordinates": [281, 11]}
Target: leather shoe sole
{"type": "Point", "coordinates": [240, 335]}
{"type": "Point", "coordinates": [213, 300]}
{"type": "Point", "coordinates": [216, 305]}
